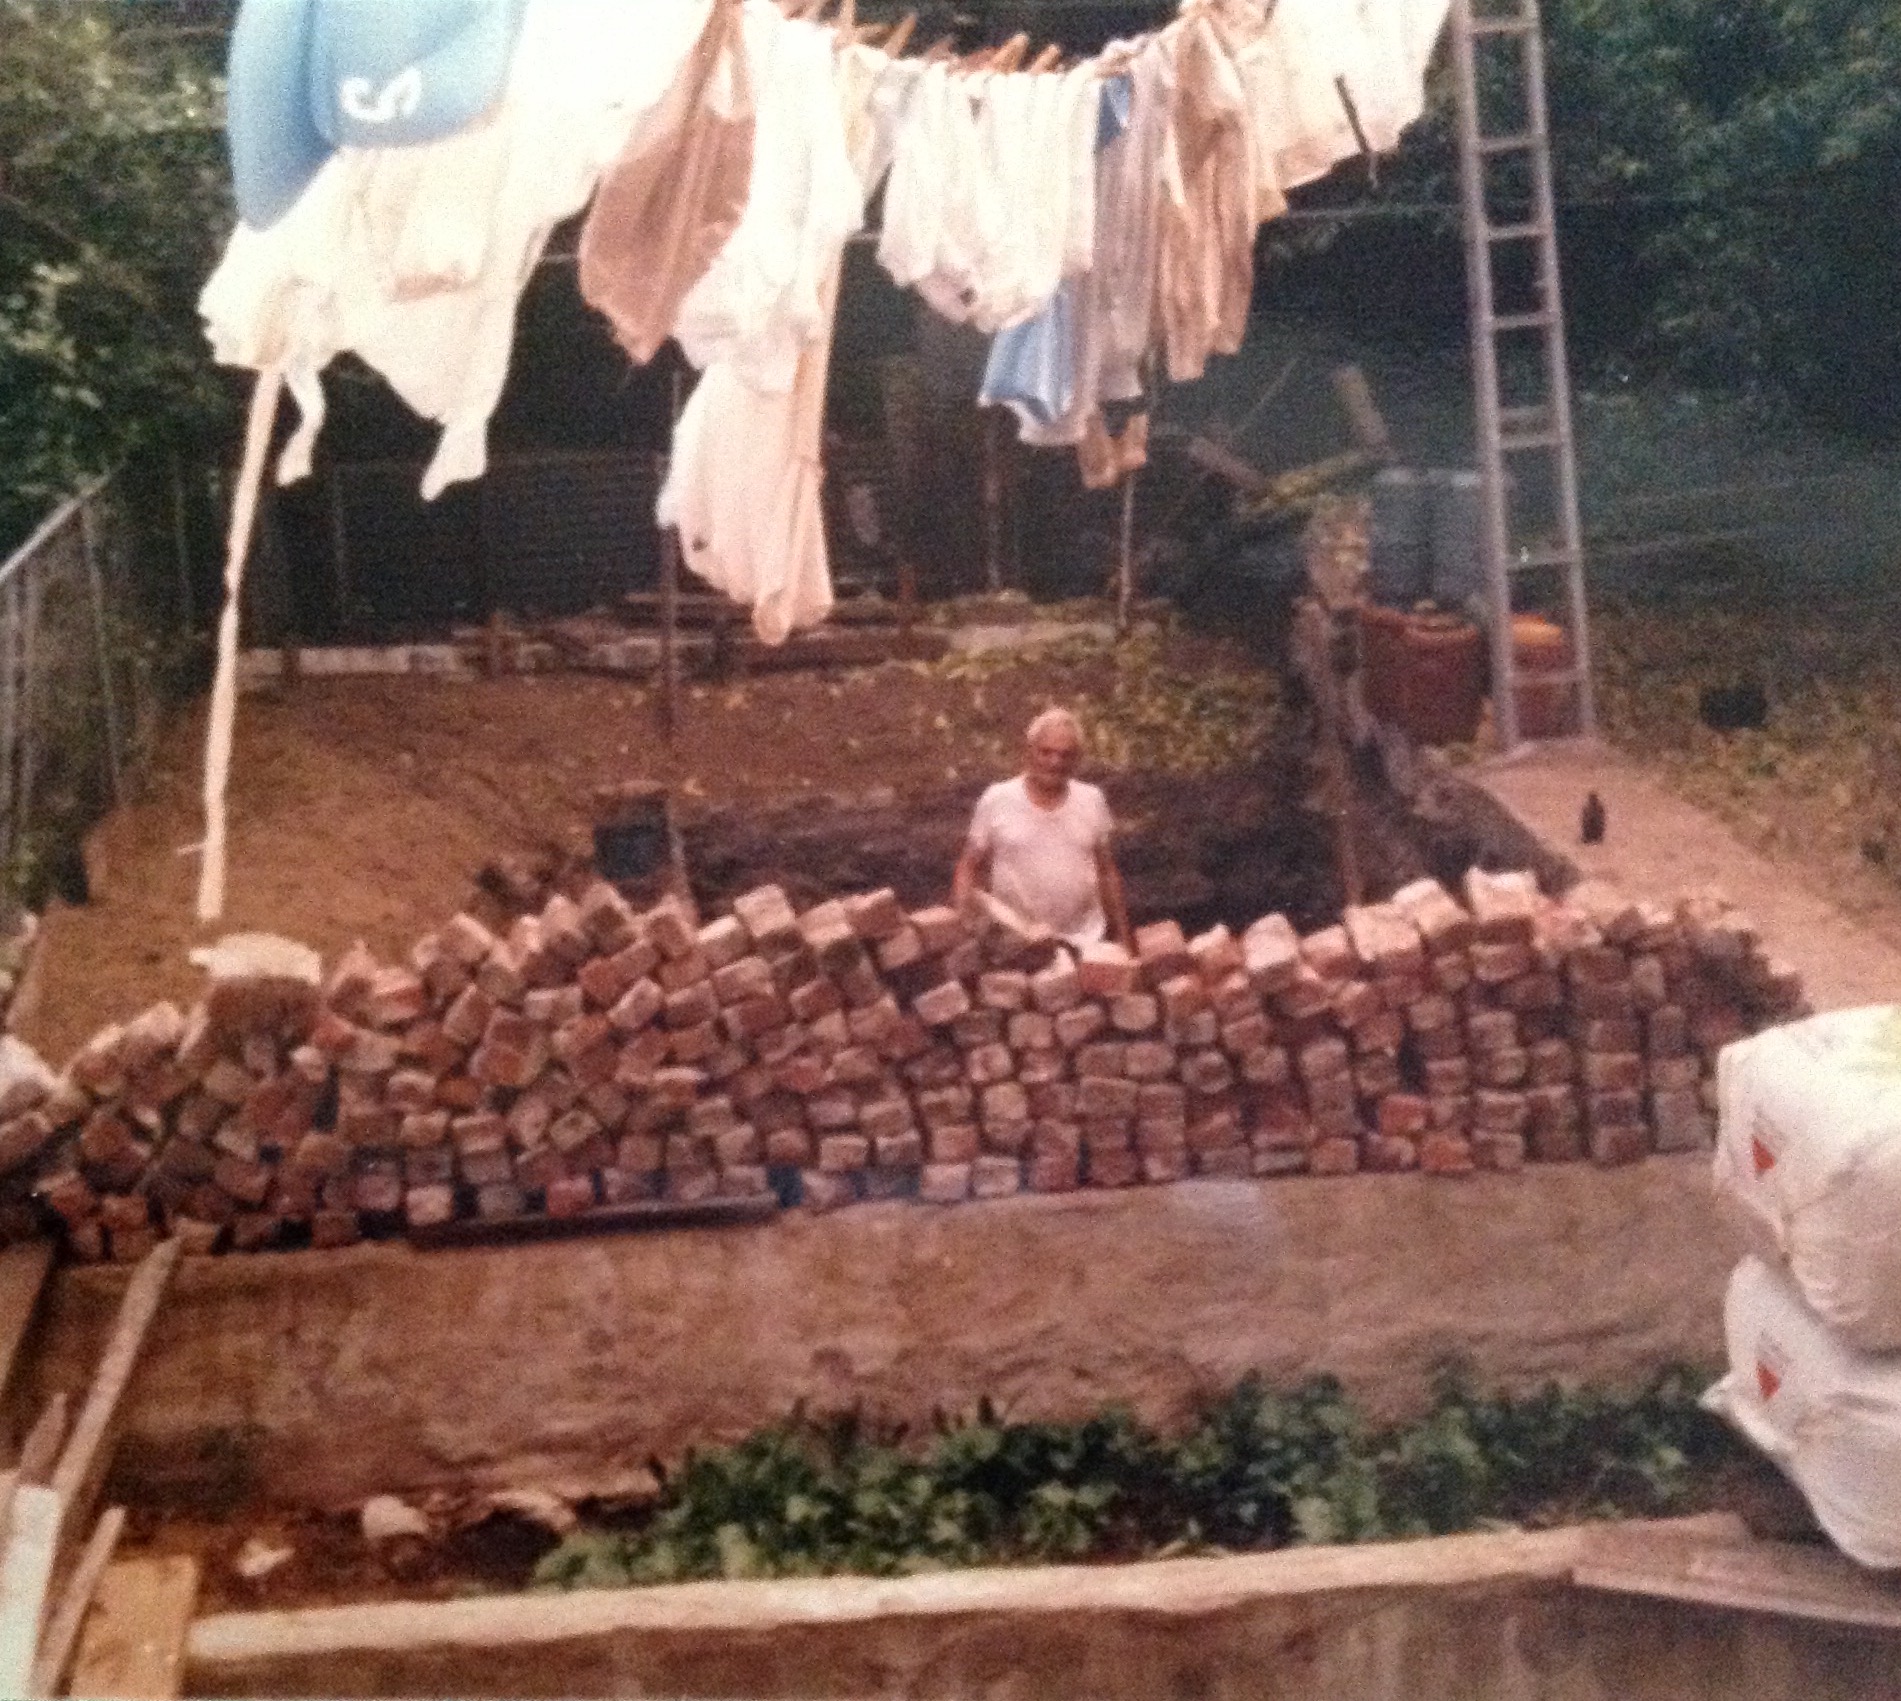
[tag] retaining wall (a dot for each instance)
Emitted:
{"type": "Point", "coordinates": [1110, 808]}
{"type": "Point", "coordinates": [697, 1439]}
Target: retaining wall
{"type": "Point", "coordinates": [325, 1377]}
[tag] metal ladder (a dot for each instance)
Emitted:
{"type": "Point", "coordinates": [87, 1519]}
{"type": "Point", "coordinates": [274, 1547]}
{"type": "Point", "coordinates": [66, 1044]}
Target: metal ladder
{"type": "Point", "coordinates": [1527, 462]}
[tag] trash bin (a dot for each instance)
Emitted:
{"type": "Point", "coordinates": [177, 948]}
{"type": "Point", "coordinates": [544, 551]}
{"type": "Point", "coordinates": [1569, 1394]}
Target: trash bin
{"type": "Point", "coordinates": [1399, 559]}
{"type": "Point", "coordinates": [1455, 540]}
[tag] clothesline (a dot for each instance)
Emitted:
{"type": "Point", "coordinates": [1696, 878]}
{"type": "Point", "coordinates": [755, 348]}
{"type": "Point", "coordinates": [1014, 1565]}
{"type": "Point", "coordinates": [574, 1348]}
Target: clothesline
{"type": "Point", "coordinates": [400, 171]}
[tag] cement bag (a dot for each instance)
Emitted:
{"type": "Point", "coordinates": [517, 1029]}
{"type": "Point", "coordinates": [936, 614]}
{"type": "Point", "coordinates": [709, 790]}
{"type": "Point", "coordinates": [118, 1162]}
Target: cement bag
{"type": "Point", "coordinates": [1808, 1144]}
{"type": "Point", "coordinates": [1829, 1416]}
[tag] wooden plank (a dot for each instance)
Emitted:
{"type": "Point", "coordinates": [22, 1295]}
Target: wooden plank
{"type": "Point", "coordinates": [650, 1214]}
{"type": "Point", "coordinates": [82, 1466]}
{"type": "Point", "coordinates": [22, 1275]}
{"type": "Point", "coordinates": [699, 608]}
{"type": "Point", "coordinates": [41, 1449]}
{"type": "Point", "coordinates": [1225, 464]}
{"type": "Point", "coordinates": [132, 1643]}
{"type": "Point", "coordinates": [26, 1568]}
{"type": "Point", "coordinates": [62, 1634]}
{"type": "Point", "coordinates": [1783, 1578]}
{"type": "Point", "coordinates": [1368, 425]}
{"type": "Point", "coordinates": [863, 648]}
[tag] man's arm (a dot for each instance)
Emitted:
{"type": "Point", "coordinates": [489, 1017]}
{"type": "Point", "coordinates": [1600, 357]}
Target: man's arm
{"type": "Point", "coordinates": [1115, 907]}
{"type": "Point", "coordinates": [972, 871]}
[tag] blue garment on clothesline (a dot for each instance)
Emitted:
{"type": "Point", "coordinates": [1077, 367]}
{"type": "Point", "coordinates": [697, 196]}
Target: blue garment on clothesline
{"type": "Point", "coordinates": [1032, 366]}
{"type": "Point", "coordinates": [307, 77]}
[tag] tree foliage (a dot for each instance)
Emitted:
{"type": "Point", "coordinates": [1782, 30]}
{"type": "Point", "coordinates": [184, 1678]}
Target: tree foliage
{"type": "Point", "coordinates": [1728, 175]}
{"type": "Point", "coordinates": [113, 199]}
{"type": "Point", "coordinates": [1760, 143]}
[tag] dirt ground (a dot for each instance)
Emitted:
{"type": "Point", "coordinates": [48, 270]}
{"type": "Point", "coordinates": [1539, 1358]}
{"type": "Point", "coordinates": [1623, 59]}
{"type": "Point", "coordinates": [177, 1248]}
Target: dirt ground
{"type": "Point", "coordinates": [363, 808]}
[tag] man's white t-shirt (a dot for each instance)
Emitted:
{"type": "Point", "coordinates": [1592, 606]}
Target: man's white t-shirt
{"type": "Point", "coordinates": [1043, 861]}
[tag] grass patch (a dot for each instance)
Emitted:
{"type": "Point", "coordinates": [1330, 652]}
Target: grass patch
{"type": "Point", "coordinates": [1820, 781]}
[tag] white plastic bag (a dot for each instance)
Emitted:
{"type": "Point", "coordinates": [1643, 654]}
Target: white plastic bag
{"type": "Point", "coordinates": [1809, 1145]}
{"type": "Point", "coordinates": [1829, 1416]}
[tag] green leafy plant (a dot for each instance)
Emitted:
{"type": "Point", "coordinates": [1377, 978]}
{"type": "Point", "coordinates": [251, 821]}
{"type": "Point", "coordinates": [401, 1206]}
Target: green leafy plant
{"type": "Point", "coordinates": [1257, 1469]}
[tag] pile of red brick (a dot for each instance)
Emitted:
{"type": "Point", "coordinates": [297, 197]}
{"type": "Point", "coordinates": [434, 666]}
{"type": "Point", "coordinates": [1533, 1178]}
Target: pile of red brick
{"type": "Point", "coordinates": [596, 1056]}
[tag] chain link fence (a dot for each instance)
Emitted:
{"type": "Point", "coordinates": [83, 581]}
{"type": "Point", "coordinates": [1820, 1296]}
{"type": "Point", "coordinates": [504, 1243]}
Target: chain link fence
{"type": "Point", "coordinates": [96, 613]}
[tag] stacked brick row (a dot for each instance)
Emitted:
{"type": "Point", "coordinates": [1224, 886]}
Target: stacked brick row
{"type": "Point", "coordinates": [598, 1056]}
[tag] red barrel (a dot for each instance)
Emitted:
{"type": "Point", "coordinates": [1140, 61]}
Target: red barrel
{"type": "Point", "coordinates": [1423, 672]}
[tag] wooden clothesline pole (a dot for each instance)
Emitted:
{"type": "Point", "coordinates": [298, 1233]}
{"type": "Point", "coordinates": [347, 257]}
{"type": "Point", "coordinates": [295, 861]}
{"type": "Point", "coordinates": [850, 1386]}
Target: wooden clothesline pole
{"type": "Point", "coordinates": [670, 605]}
{"type": "Point", "coordinates": [224, 686]}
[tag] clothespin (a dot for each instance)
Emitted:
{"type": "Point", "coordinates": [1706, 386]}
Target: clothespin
{"type": "Point", "coordinates": [945, 47]}
{"type": "Point", "coordinates": [1009, 55]}
{"type": "Point", "coordinates": [895, 42]}
{"type": "Point", "coordinates": [846, 22]}
{"type": "Point", "coordinates": [1046, 60]}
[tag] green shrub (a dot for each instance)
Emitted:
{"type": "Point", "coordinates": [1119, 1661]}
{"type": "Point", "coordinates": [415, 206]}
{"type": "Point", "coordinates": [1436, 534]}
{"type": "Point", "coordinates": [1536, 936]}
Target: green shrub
{"type": "Point", "coordinates": [1257, 1469]}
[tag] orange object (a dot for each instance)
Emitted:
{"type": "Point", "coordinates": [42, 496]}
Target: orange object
{"type": "Point", "coordinates": [1423, 672]}
{"type": "Point", "coordinates": [1547, 708]}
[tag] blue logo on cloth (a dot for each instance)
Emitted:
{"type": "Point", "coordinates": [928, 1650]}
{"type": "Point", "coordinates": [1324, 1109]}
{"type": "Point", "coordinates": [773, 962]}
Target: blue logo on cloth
{"type": "Point", "coordinates": [310, 76]}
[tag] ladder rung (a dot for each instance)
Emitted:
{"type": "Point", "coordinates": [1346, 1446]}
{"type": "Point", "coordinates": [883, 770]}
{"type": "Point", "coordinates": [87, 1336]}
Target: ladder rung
{"type": "Point", "coordinates": [1515, 232]}
{"type": "Point", "coordinates": [1522, 141]}
{"type": "Point", "coordinates": [1533, 559]}
{"type": "Point", "coordinates": [1556, 676]}
{"type": "Point", "coordinates": [1537, 321]}
{"type": "Point", "coordinates": [1503, 23]}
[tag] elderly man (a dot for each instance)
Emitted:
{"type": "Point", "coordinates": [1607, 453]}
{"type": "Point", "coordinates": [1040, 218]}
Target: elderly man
{"type": "Point", "coordinates": [1040, 842]}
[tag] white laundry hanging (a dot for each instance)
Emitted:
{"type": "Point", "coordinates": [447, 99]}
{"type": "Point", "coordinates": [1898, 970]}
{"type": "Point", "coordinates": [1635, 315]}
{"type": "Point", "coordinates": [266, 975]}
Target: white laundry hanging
{"type": "Point", "coordinates": [744, 480]}
{"type": "Point", "coordinates": [414, 259]}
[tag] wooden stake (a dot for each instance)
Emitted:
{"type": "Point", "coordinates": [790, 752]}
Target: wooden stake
{"type": "Point", "coordinates": [1125, 554]}
{"type": "Point", "coordinates": [993, 500]}
{"type": "Point", "coordinates": [26, 1569]}
{"type": "Point", "coordinates": [82, 1465]}
{"type": "Point", "coordinates": [62, 1634]}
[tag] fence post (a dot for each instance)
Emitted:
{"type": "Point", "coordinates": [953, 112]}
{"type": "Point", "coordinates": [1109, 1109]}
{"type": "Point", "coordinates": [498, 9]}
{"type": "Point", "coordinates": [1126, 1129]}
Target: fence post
{"type": "Point", "coordinates": [11, 644]}
{"type": "Point", "coordinates": [95, 581]}
{"type": "Point", "coordinates": [181, 545]}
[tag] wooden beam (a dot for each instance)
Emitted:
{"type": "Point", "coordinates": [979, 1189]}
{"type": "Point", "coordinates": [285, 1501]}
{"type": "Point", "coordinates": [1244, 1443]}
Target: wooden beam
{"type": "Point", "coordinates": [40, 1451]}
{"type": "Point", "coordinates": [26, 1568]}
{"type": "Point", "coordinates": [1225, 464]}
{"type": "Point", "coordinates": [646, 1214]}
{"type": "Point", "coordinates": [82, 1466]}
{"type": "Point", "coordinates": [55, 1657]}
{"type": "Point", "coordinates": [1364, 418]}
{"type": "Point", "coordinates": [22, 1275]}
{"type": "Point", "coordinates": [132, 1643]}
{"type": "Point", "coordinates": [1787, 1579]}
